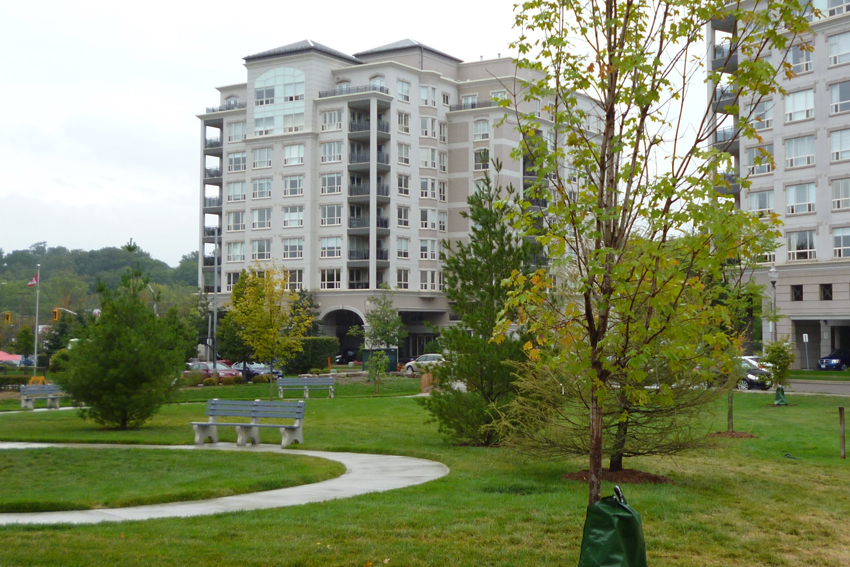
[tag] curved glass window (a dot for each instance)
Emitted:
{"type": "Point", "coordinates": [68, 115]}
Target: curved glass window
{"type": "Point", "coordinates": [279, 102]}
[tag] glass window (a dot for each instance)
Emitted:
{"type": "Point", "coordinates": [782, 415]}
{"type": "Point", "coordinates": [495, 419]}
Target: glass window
{"type": "Point", "coordinates": [332, 121]}
{"type": "Point", "coordinates": [235, 191]}
{"type": "Point", "coordinates": [331, 183]}
{"type": "Point", "coordinates": [444, 157]}
{"type": "Point", "coordinates": [482, 160]}
{"type": "Point", "coordinates": [840, 194]}
{"type": "Point", "coordinates": [331, 215]}
{"type": "Point", "coordinates": [331, 247]}
{"type": "Point", "coordinates": [261, 249]}
{"type": "Point", "coordinates": [403, 247]}
{"type": "Point", "coordinates": [293, 185]}
{"type": "Point", "coordinates": [762, 115]}
{"type": "Point", "coordinates": [236, 132]}
{"type": "Point", "coordinates": [841, 242]}
{"type": "Point", "coordinates": [839, 48]}
{"type": "Point", "coordinates": [404, 185]}
{"type": "Point", "coordinates": [427, 249]}
{"type": "Point", "coordinates": [377, 82]}
{"type": "Point", "coordinates": [403, 279]}
{"type": "Point", "coordinates": [235, 221]}
{"type": "Point", "coordinates": [800, 58]}
{"type": "Point", "coordinates": [442, 221]}
{"type": "Point", "coordinates": [800, 105]}
{"type": "Point", "coordinates": [330, 279]}
{"type": "Point", "coordinates": [235, 251]}
{"type": "Point", "coordinates": [444, 130]}
{"type": "Point", "coordinates": [404, 154]}
{"type": "Point", "coordinates": [262, 188]}
{"type": "Point", "coordinates": [403, 122]}
{"type": "Point", "coordinates": [800, 151]}
{"type": "Point", "coordinates": [840, 141]}
{"type": "Point", "coordinates": [801, 245]}
{"type": "Point", "coordinates": [293, 248]}
{"type": "Point", "coordinates": [293, 155]}
{"type": "Point", "coordinates": [427, 218]}
{"type": "Point", "coordinates": [760, 159]}
{"type": "Point", "coordinates": [482, 130]}
{"type": "Point", "coordinates": [442, 190]}
{"type": "Point", "coordinates": [796, 293]}
{"type": "Point", "coordinates": [403, 88]}
{"type": "Point", "coordinates": [428, 280]}
{"type": "Point", "coordinates": [237, 162]}
{"type": "Point", "coordinates": [826, 292]}
{"type": "Point", "coordinates": [469, 101]}
{"type": "Point", "coordinates": [231, 280]}
{"type": "Point", "coordinates": [840, 94]}
{"type": "Point", "coordinates": [761, 202]}
{"type": "Point", "coordinates": [331, 152]}
{"type": "Point", "coordinates": [447, 99]}
{"type": "Point", "coordinates": [296, 280]}
{"type": "Point", "coordinates": [428, 188]}
{"type": "Point", "coordinates": [404, 216]}
{"type": "Point", "coordinates": [264, 125]}
{"type": "Point", "coordinates": [262, 218]}
{"type": "Point", "coordinates": [428, 157]}
{"type": "Point", "coordinates": [293, 216]}
{"type": "Point", "coordinates": [800, 198]}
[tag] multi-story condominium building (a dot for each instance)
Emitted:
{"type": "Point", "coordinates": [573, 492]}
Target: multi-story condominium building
{"type": "Point", "coordinates": [807, 131]}
{"type": "Point", "coordinates": [350, 171]}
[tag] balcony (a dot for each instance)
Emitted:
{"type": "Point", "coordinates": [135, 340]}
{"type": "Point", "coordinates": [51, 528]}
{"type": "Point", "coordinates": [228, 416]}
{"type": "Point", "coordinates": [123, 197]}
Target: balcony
{"type": "Point", "coordinates": [212, 143]}
{"type": "Point", "coordinates": [212, 289]}
{"type": "Point", "coordinates": [212, 173]}
{"type": "Point", "coordinates": [358, 157]}
{"type": "Point", "coordinates": [355, 255]}
{"type": "Point", "coordinates": [727, 139]}
{"type": "Point", "coordinates": [212, 261]}
{"type": "Point", "coordinates": [473, 105]}
{"type": "Point", "coordinates": [212, 205]}
{"type": "Point", "coordinates": [361, 129]}
{"type": "Point", "coordinates": [226, 107]}
{"type": "Point", "coordinates": [347, 90]}
{"type": "Point", "coordinates": [725, 58]}
{"type": "Point", "coordinates": [728, 184]}
{"type": "Point", "coordinates": [358, 222]}
{"type": "Point", "coordinates": [724, 97]}
{"type": "Point", "coordinates": [538, 202]}
{"type": "Point", "coordinates": [382, 222]}
{"type": "Point", "coordinates": [211, 233]}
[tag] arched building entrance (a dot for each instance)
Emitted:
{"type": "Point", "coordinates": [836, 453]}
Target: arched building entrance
{"type": "Point", "coordinates": [336, 323]}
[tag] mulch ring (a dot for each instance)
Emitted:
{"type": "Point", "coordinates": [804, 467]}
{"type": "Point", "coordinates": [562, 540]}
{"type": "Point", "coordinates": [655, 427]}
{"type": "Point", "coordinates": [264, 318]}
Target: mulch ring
{"type": "Point", "coordinates": [733, 435]}
{"type": "Point", "coordinates": [626, 476]}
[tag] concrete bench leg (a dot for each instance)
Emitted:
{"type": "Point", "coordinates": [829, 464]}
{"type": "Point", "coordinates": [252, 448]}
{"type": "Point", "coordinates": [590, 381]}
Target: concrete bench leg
{"type": "Point", "coordinates": [202, 432]}
{"type": "Point", "coordinates": [306, 393]}
{"type": "Point", "coordinates": [27, 403]}
{"type": "Point", "coordinates": [289, 435]}
{"type": "Point", "coordinates": [245, 433]}
{"type": "Point", "coordinates": [331, 392]}
{"type": "Point", "coordinates": [280, 392]}
{"type": "Point", "coordinates": [52, 403]}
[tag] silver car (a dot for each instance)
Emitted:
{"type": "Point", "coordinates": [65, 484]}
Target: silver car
{"type": "Point", "coordinates": [423, 362]}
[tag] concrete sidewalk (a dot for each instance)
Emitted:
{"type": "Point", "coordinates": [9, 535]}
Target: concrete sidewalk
{"type": "Point", "coordinates": [365, 473]}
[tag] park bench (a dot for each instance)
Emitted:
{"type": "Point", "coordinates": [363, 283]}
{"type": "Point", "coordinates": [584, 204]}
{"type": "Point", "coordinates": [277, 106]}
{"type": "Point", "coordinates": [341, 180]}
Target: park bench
{"type": "Point", "coordinates": [50, 392]}
{"type": "Point", "coordinates": [249, 430]}
{"type": "Point", "coordinates": [305, 383]}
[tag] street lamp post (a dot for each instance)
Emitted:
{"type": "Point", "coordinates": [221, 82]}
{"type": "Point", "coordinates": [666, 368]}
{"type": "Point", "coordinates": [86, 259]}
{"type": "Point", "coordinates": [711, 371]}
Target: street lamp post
{"type": "Point", "coordinates": [773, 275]}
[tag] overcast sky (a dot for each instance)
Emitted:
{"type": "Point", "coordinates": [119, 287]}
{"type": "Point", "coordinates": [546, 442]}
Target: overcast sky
{"type": "Point", "coordinates": [99, 139]}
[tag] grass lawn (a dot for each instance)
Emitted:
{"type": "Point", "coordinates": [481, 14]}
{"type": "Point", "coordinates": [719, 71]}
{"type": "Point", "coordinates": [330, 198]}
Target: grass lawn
{"type": "Point", "coordinates": [831, 375]}
{"type": "Point", "coordinates": [51, 479]}
{"type": "Point", "coordinates": [736, 502]}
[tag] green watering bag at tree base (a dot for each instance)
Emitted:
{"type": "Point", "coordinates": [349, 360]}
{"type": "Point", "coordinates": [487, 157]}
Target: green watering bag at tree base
{"type": "Point", "coordinates": [613, 535]}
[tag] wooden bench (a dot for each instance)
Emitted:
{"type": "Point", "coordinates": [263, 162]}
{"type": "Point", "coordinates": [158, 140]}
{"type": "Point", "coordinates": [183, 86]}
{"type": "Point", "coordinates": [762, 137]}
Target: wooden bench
{"type": "Point", "coordinates": [50, 392]}
{"type": "Point", "coordinates": [305, 383]}
{"type": "Point", "coordinates": [249, 431]}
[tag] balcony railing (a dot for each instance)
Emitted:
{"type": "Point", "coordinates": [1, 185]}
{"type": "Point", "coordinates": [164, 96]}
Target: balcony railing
{"type": "Point", "coordinates": [358, 190]}
{"type": "Point", "coordinates": [212, 261]}
{"type": "Point", "coordinates": [722, 135]}
{"type": "Point", "coordinates": [382, 222]}
{"type": "Point", "coordinates": [383, 157]}
{"type": "Point", "coordinates": [476, 104]}
{"type": "Point", "coordinates": [382, 254]}
{"type": "Point", "coordinates": [358, 285]}
{"type": "Point", "coordinates": [358, 222]}
{"type": "Point", "coordinates": [538, 202]}
{"type": "Point", "coordinates": [211, 289]}
{"type": "Point", "coordinates": [212, 231]}
{"type": "Point", "coordinates": [363, 126]}
{"type": "Point", "coordinates": [211, 143]}
{"type": "Point", "coordinates": [722, 50]}
{"type": "Point", "coordinates": [383, 191]}
{"type": "Point", "coordinates": [212, 172]}
{"type": "Point", "coordinates": [723, 93]}
{"type": "Point", "coordinates": [358, 157]}
{"type": "Point", "coordinates": [212, 202]}
{"type": "Point", "coordinates": [358, 254]}
{"type": "Point", "coordinates": [345, 89]}
{"type": "Point", "coordinates": [228, 106]}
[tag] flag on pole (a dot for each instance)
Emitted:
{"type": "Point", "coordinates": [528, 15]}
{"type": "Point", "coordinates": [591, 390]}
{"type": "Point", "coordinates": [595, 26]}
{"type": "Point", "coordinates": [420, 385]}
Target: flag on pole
{"type": "Point", "coordinates": [33, 281]}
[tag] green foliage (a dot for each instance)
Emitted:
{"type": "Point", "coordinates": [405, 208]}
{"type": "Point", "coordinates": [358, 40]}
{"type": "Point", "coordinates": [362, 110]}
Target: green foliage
{"type": "Point", "coordinates": [474, 272]}
{"type": "Point", "coordinates": [229, 341]}
{"type": "Point", "coordinates": [385, 328]}
{"type": "Point", "coordinates": [262, 379]}
{"type": "Point", "coordinates": [124, 367]}
{"type": "Point", "coordinates": [24, 342]}
{"type": "Point", "coordinates": [228, 381]}
{"type": "Point", "coordinates": [781, 355]}
{"type": "Point", "coordinates": [377, 368]}
{"type": "Point", "coordinates": [209, 382]}
{"type": "Point", "coordinates": [432, 347]}
{"type": "Point", "coordinates": [317, 370]}
{"type": "Point", "coordinates": [60, 361]}
{"type": "Point", "coordinates": [314, 354]}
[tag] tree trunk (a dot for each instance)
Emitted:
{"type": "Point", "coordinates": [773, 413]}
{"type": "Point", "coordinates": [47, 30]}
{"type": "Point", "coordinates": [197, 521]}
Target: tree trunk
{"type": "Point", "coordinates": [616, 463]}
{"type": "Point", "coordinates": [595, 468]}
{"type": "Point", "coordinates": [730, 425]}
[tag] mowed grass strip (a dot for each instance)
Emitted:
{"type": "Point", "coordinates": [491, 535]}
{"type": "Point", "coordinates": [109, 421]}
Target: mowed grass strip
{"type": "Point", "coordinates": [51, 479]}
{"type": "Point", "coordinates": [733, 502]}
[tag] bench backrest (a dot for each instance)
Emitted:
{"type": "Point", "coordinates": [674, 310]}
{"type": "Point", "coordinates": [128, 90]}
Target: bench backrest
{"type": "Point", "coordinates": [306, 381]}
{"type": "Point", "coordinates": [256, 408]}
{"type": "Point", "coordinates": [40, 390]}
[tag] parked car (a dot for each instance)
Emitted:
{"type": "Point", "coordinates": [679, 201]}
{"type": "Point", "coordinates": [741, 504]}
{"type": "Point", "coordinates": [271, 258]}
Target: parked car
{"type": "Point", "coordinates": [836, 360]}
{"type": "Point", "coordinates": [752, 377]}
{"type": "Point", "coordinates": [252, 369]}
{"type": "Point", "coordinates": [422, 362]}
{"type": "Point", "coordinates": [757, 362]}
{"type": "Point", "coordinates": [206, 369]}
{"type": "Point", "coordinates": [345, 357]}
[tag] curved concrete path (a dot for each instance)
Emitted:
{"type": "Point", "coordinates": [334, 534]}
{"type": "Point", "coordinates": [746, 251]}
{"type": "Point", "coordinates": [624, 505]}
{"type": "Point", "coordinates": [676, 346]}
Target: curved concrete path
{"type": "Point", "coordinates": [364, 474]}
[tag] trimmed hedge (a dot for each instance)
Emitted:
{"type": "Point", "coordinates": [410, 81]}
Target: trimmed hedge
{"type": "Point", "coordinates": [314, 354]}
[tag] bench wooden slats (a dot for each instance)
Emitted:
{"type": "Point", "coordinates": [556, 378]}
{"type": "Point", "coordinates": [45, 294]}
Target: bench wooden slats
{"type": "Point", "coordinates": [51, 392]}
{"type": "Point", "coordinates": [305, 383]}
{"type": "Point", "coordinates": [249, 431]}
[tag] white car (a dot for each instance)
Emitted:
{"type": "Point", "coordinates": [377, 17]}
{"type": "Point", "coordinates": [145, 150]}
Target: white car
{"type": "Point", "coordinates": [423, 361]}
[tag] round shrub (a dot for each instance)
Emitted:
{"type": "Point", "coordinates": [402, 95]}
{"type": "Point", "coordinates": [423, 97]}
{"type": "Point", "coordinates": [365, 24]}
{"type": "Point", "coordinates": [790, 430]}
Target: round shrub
{"type": "Point", "coordinates": [228, 381]}
{"type": "Point", "coordinates": [261, 379]}
{"type": "Point", "coordinates": [316, 370]}
{"type": "Point", "coordinates": [238, 380]}
{"type": "Point", "coordinates": [209, 382]}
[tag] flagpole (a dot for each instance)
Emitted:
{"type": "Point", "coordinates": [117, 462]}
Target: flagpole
{"type": "Point", "coordinates": [37, 291]}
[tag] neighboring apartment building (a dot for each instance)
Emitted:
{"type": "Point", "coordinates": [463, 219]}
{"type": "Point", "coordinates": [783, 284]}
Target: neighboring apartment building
{"type": "Point", "coordinates": [350, 171]}
{"type": "Point", "coordinates": [808, 132]}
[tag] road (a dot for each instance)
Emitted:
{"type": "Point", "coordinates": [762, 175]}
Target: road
{"type": "Point", "coordinates": [818, 387]}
